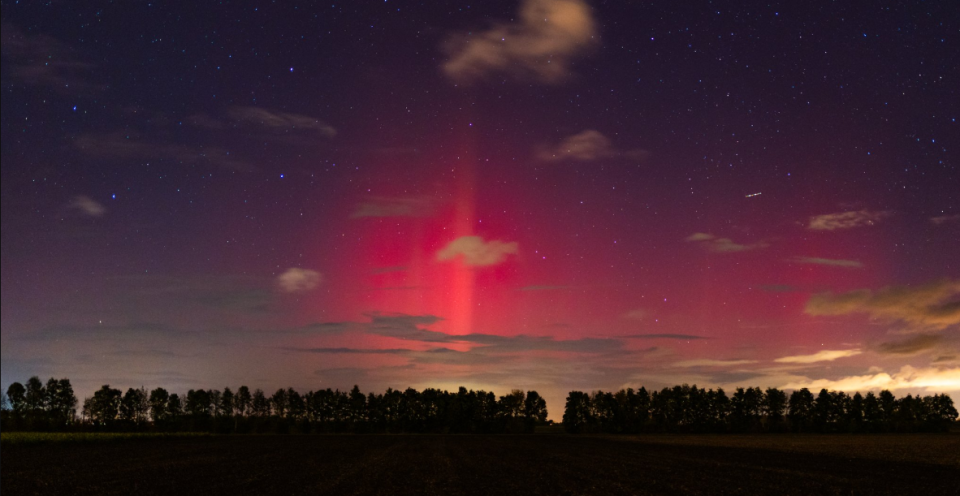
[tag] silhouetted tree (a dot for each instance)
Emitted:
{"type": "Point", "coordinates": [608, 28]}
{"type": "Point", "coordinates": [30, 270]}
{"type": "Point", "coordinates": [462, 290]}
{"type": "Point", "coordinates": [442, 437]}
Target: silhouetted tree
{"type": "Point", "coordinates": [279, 403]}
{"type": "Point", "coordinates": [198, 403]}
{"type": "Point", "coordinates": [535, 407]}
{"type": "Point", "coordinates": [35, 402]}
{"type": "Point", "coordinates": [17, 395]}
{"type": "Point", "coordinates": [134, 406]}
{"type": "Point", "coordinates": [888, 409]}
{"type": "Point", "coordinates": [159, 399]}
{"type": "Point", "coordinates": [774, 407]}
{"type": "Point", "coordinates": [512, 404]}
{"type": "Point", "coordinates": [58, 406]}
{"type": "Point", "coordinates": [174, 407]}
{"type": "Point", "coordinates": [104, 407]}
{"type": "Point", "coordinates": [216, 403]}
{"type": "Point", "coordinates": [260, 404]}
{"type": "Point", "coordinates": [906, 416]}
{"type": "Point", "coordinates": [872, 415]}
{"type": "Point", "coordinates": [854, 413]}
{"type": "Point", "coordinates": [719, 409]}
{"type": "Point", "coordinates": [576, 415]}
{"type": "Point", "coordinates": [296, 406]}
{"type": "Point", "coordinates": [942, 412]}
{"type": "Point", "coordinates": [801, 410]}
{"type": "Point", "coordinates": [824, 411]}
{"type": "Point", "coordinates": [5, 414]}
{"type": "Point", "coordinates": [242, 401]}
{"type": "Point", "coordinates": [228, 402]}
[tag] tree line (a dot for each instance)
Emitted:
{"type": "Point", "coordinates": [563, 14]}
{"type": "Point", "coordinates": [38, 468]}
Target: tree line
{"type": "Point", "coordinates": [696, 410]}
{"type": "Point", "coordinates": [53, 407]}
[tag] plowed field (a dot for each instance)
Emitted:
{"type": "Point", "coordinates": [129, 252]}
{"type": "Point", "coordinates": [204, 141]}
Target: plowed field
{"type": "Point", "coordinates": [507, 465]}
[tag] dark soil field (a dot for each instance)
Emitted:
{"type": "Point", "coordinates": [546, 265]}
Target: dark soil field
{"type": "Point", "coordinates": [507, 465]}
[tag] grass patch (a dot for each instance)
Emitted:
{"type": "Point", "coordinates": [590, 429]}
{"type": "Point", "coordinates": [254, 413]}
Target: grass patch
{"type": "Point", "coordinates": [26, 438]}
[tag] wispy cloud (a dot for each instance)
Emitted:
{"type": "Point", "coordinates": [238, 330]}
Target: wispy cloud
{"type": "Point", "coordinates": [911, 346]}
{"type": "Point", "coordinates": [41, 60]}
{"type": "Point", "coordinates": [587, 146]}
{"type": "Point", "coordinates": [414, 328]}
{"type": "Point", "coordinates": [131, 146]}
{"type": "Point", "coordinates": [935, 305]}
{"type": "Point", "coordinates": [87, 206]}
{"type": "Point", "coordinates": [845, 220]}
{"type": "Point", "coordinates": [713, 363]}
{"type": "Point", "coordinates": [476, 252]}
{"type": "Point", "coordinates": [849, 264]}
{"type": "Point", "coordinates": [637, 314]}
{"type": "Point", "coordinates": [945, 219]}
{"type": "Point", "coordinates": [822, 356]}
{"type": "Point", "coordinates": [678, 337]}
{"type": "Point", "coordinates": [296, 280]}
{"type": "Point", "coordinates": [714, 244]}
{"type": "Point", "coordinates": [281, 122]}
{"type": "Point", "coordinates": [350, 351]}
{"type": "Point", "coordinates": [931, 379]}
{"type": "Point", "coordinates": [284, 127]}
{"type": "Point", "coordinates": [541, 45]}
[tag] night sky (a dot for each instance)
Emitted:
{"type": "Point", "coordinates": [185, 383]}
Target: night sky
{"type": "Point", "coordinates": [534, 194]}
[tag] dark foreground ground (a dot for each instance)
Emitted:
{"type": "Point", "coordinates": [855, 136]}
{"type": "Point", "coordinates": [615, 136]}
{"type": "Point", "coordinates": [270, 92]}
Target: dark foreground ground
{"type": "Point", "coordinates": [508, 465]}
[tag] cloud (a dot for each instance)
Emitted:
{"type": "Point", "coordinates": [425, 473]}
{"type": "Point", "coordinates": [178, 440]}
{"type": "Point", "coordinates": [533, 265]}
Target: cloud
{"type": "Point", "coordinates": [931, 379]}
{"type": "Point", "coordinates": [586, 146]}
{"type": "Point", "coordinates": [637, 314]}
{"type": "Point", "coordinates": [845, 220]}
{"type": "Point", "coordinates": [161, 293]}
{"type": "Point", "coordinates": [392, 207]}
{"type": "Point", "coordinates": [130, 146]}
{"type": "Point", "coordinates": [41, 60]}
{"type": "Point", "coordinates": [911, 346]}
{"type": "Point", "coordinates": [447, 356]}
{"type": "Point", "coordinates": [713, 363]}
{"type": "Point", "coordinates": [822, 356]}
{"type": "Point", "coordinates": [944, 219]}
{"type": "Point", "coordinates": [714, 244]}
{"type": "Point", "coordinates": [281, 122]}
{"type": "Point", "coordinates": [88, 206]}
{"type": "Point", "coordinates": [700, 237]}
{"type": "Point", "coordinates": [406, 327]}
{"type": "Point", "coordinates": [349, 351]}
{"type": "Point", "coordinates": [850, 264]}
{"type": "Point", "coordinates": [540, 46]}
{"type": "Point", "coordinates": [476, 252]}
{"type": "Point", "coordinates": [679, 337]}
{"type": "Point", "coordinates": [523, 343]}
{"type": "Point", "coordinates": [935, 305]}
{"type": "Point", "coordinates": [411, 328]}
{"type": "Point", "coordinates": [296, 280]}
